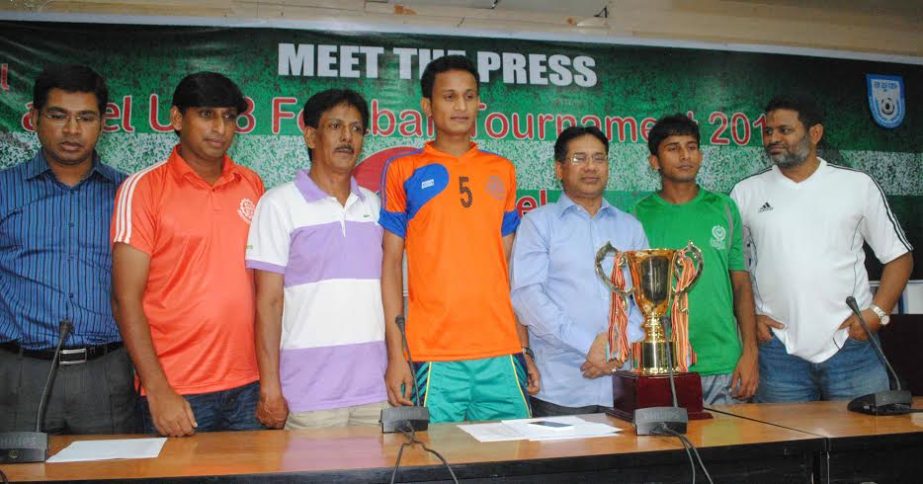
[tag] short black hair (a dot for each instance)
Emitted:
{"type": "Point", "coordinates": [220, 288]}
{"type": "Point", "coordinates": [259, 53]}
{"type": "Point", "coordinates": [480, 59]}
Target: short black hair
{"type": "Point", "coordinates": [318, 104]}
{"type": "Point", "coordinates": [445, 64]}
{"type": "Point", "coordinates": [673, 125]}
{"type": "Point", "coordinates": [69, 78]}
{"type": "Point", "coordinates": [809, 112]}
{"type": "Point", "coordinates": [560, 146]}
{"type": "Point", "coordinates": [208, 89]}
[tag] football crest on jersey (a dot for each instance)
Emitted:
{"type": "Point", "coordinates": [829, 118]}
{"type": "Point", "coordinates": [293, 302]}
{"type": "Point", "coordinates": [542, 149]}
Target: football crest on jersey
{"type": "Point", "coordinates": [495, 187]}
{"type": "Point", "coordinates": [718, 237]}
{"type": "Point", "coordinates": [246, 209]}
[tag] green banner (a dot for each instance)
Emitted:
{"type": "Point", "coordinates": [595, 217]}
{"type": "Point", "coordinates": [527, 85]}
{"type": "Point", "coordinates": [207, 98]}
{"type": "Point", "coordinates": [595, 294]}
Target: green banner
{"type": "Point", "coordinates": [530, 90]}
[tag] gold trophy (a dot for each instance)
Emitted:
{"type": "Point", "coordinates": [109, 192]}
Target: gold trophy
{"type": "Point", "coordinates": [660, 280]}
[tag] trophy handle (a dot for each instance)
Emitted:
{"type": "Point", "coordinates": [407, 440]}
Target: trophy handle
{"type": "Point", "coordinates": [698, 262]}
{"type": "Point", "coordinates": [607, 279]}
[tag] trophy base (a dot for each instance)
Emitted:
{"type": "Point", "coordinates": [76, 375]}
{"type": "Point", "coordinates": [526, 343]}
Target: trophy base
{"type": "Point", "coordinates": [632, 391]}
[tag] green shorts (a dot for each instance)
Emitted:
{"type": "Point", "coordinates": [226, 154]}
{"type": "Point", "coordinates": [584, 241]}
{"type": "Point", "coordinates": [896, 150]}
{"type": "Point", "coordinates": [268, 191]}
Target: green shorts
{"type": "Point", "coordinates": [471, 390]}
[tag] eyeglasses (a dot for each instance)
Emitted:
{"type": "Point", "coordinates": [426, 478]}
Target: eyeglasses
{"type": "Point", "coordinates": [61, 117]}
{"type": "Point", "coordinates": [583, 158]}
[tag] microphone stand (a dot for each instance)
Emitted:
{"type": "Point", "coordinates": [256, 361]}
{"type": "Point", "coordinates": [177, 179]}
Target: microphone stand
{"type": "Point", "coordinates": [656, 420]}
{"type": "Point", "coordinates": [887, 402]}
{"type": "Point", "coordinates": [33, 446]}
{"type": "Point", "coordinates": [400, 419]}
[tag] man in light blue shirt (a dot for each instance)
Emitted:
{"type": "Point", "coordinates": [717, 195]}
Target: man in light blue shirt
{"type": "Point", "coordinates": [555, 290]}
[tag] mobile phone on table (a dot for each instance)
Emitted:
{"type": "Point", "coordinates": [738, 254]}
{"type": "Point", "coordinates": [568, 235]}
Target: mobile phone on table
{"type": "Point", "coordinates": [550, 424]}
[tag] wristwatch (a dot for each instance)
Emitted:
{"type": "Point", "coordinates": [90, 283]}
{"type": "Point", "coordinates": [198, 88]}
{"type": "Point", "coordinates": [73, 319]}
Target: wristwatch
{"type": "Point", "coordinates": [528, 351]}
{"type": "Point", "coordinates": [883, 317]}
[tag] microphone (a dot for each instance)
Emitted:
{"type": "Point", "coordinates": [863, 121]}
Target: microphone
{"type": "Point", "coordinates": [662, 420]}
{"type": "Point", "coordinates": [33, 446]}
{"type": "Point", "coordinates": [888, 402]}
{"type": "Point", "coordinates": [416, 417]}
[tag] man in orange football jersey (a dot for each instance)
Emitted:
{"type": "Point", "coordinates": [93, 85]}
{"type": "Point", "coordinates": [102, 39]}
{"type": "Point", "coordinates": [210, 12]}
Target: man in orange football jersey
{"type": "Point", "coordinates": [451, 207]}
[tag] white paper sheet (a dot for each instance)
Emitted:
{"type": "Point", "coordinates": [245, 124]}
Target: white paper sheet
{"type": "Point", "coordinates": [507, 430]}
{"type": "Point", "coordinates": [491, 432]}
{"type": "Point", "coordinates": [89, 450]}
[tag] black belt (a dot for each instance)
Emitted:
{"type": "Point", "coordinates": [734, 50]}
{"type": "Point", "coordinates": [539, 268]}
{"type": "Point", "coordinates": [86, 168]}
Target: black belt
{"type": "Point", "coordinates": [69, 356]}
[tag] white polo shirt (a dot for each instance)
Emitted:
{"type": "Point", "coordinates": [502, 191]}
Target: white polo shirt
{"type": "Point", "coordinates": [804, 243]}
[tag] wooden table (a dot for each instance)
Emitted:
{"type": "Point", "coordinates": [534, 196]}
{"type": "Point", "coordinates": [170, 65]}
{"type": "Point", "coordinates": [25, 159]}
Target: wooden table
{"type": "Point", "coordinates": [734, 450]}
{"type": "Point", "coordinates": [858, 448]}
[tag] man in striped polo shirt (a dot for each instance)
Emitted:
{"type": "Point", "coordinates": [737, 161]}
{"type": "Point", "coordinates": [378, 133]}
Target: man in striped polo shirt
{"type": "Point", "coordinates": [54, 266]}
{"type": "Point", "coordinates": [315, 244]}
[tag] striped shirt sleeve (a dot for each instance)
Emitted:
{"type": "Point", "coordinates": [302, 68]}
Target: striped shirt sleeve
{"type": "Point", "coordinates": [270, 233]}
{"type": "Point", "coordinates": [880, 228]}
{"type": "Point", "coordinates": [133, 220]}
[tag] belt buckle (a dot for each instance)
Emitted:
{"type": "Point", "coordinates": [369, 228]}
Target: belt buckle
{"type": "Point", "coordinates": [75, 351]}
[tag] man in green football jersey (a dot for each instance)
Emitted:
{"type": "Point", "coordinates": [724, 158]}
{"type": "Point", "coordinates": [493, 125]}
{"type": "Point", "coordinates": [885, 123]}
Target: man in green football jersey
{"type": "Point", "coordinates": [721, 300]}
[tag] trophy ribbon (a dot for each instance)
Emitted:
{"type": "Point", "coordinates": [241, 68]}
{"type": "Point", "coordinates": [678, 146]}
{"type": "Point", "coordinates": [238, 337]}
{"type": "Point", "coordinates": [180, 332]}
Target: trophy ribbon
{"type": "Point", "coordinates": [680, 311]}
{"type": "Point", "coordinates": [618, 315]}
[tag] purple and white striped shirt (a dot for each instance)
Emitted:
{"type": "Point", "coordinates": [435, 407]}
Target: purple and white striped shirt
{"type": "Point", "coordinates": [332, 351]}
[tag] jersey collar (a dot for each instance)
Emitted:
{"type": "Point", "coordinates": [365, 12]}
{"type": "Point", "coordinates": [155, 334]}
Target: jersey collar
{"type": "Point", "coordinates": [230, 171]}
{"type": "Point", "coordinates": [313, 193]}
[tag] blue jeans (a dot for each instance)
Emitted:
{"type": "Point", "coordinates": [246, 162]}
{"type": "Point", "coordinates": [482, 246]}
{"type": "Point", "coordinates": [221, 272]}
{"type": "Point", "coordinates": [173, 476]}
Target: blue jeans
{"type": "Point", "coordinates": [853, 371]}
{"type": "Point", "coordinates": [233, 409]}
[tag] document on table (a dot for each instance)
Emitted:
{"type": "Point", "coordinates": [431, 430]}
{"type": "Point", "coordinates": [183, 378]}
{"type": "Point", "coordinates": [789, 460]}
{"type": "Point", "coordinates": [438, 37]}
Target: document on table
{"type": "Point", "coordinates": [524, 429]}
{"type": "Point", "coordinates": [88, 450]}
